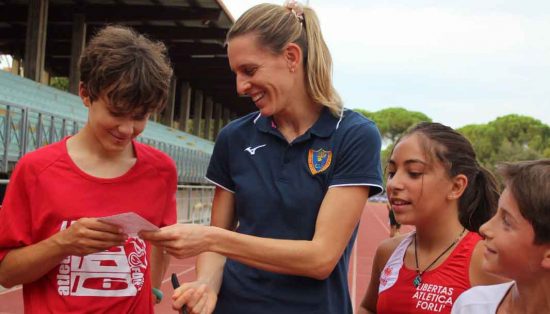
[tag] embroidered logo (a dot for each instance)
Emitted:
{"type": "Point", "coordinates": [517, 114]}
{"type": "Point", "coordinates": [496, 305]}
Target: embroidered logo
{"type": "Point", "coordinates": [251, 150]}
{"type": "Point", "coordinates": [318, 160]}
{"type": "Point", "coordinates": [386, 273]}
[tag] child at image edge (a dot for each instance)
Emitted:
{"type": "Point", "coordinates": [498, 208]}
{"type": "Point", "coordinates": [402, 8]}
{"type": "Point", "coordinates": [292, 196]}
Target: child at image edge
{"type": "Point", "coordinates": [517, 245]}
{"type": "Point", "coordinates": [67, 260]}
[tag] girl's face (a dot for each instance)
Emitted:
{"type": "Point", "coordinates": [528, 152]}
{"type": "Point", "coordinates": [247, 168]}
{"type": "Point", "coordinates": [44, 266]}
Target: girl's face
{"type": "Point", "coordinates": [509, 247]}
{"type": "Point", "coordinates": [418, 186]}
{"type": "Point", "coordinates": [262, 75]}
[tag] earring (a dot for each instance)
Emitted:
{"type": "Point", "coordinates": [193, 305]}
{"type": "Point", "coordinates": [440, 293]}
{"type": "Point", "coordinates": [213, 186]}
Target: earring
{"type": "Point", "coordinates": [292, 69]}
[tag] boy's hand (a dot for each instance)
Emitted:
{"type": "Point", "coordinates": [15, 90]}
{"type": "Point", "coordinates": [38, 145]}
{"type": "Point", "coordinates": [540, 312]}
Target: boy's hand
{"type": "Point", "coordinates": [197, 296]}
{"type": "Point", "coordinates": [179, 240]}
{"type": "Point", "coordinates": [89, 235]}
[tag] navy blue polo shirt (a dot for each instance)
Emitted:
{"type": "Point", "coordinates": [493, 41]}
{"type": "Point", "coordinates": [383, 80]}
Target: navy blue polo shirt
{"type": "Point", "coordinates": [278, 188]}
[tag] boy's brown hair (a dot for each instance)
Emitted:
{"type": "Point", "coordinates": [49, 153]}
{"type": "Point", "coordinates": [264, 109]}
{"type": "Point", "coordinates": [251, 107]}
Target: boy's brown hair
{"type": "Point", "coordinates": [529, 183]}
{"type": "Point", "coordinates": [132, 72]}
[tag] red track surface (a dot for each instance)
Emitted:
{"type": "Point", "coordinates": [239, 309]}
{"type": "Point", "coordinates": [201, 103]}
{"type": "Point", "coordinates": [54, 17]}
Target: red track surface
{"type": "Point", "coordinates": [373, 229]}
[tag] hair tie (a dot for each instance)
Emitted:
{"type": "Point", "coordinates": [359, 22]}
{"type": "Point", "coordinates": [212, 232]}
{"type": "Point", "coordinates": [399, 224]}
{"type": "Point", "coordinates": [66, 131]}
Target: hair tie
{"type": "Point", "coordinates": [296, 8]}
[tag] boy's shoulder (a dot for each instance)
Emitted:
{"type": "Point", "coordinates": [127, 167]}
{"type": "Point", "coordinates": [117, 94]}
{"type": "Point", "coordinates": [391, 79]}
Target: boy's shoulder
{"type": "Point", "coordinates": [44, 156]}
{"type": "Point", "coordinates": [480, 296]}
{"type": "Point", "coordinates": [154, 156]}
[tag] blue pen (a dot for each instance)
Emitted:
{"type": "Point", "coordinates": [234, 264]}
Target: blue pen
{"type": "Point", "coordinates": [176, 284]}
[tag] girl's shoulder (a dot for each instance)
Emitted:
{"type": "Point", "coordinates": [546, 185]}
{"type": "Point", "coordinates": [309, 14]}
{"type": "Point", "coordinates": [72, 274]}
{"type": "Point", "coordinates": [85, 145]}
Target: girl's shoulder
{"type": "Point", "coordinates": [389, 245]}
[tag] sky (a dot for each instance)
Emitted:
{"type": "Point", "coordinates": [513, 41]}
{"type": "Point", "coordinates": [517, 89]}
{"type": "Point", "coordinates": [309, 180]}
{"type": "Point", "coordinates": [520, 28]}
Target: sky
{"type": "Point", "coordinates": [458, 62]}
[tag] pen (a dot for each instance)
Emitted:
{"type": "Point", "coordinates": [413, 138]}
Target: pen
{"type": "Point", "coordinates": [176, 284]}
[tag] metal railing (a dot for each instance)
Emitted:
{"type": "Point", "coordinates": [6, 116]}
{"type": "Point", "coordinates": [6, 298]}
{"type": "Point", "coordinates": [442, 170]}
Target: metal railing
{"type": "Point", "coordinates": [193, 203]}
{"type": "Point", "coordinates": [23, 129]}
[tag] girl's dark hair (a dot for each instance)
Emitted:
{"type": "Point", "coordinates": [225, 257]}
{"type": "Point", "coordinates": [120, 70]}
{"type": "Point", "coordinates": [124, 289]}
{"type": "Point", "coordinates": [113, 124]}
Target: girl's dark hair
{"type": "Point", "coordinates": [479, 201]}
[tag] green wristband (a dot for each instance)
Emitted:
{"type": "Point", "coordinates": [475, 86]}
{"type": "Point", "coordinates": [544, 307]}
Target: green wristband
{"type": "Point", "coordinates": [158, 294]}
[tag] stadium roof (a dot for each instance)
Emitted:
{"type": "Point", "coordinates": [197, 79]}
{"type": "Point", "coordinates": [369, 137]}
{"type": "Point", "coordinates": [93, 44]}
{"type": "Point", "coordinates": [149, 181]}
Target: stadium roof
{"type": "Point", "coordinates": [193, 30]}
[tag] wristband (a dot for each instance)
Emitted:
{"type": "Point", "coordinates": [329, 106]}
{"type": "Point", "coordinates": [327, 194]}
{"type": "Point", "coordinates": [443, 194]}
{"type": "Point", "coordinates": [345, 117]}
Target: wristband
{"type": "Point", "coordinates": [158, 294]}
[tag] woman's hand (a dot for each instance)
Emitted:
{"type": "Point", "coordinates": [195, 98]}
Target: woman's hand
{"type": "Point", "coordinates": [197, 296]}
{"type": "Point", "coordinates": [179, 240]}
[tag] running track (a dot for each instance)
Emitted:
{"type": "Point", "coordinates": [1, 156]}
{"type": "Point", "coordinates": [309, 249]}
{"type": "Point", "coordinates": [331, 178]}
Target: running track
{"type": "Point", "coordinates": [372, 230]}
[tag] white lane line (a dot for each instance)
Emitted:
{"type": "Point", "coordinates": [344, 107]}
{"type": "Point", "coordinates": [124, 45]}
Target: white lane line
{"type": "Point", "coordinates": [385, 225]}
{"type": "Point", "coordinates": [354, 274]}
{"type": "Point", "coordinates": [179, 274]}
{"type": "Point", "coordinates": [16, 288]}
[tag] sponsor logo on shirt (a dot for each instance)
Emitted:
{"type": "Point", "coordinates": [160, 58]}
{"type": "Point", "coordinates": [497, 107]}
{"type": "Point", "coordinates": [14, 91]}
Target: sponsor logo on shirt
{"type": "Point", "coordinates": [252, 151]}
{"type": "Point", "coordinates": [386, 273]}
{"type": "Point", "coordinates": [117, 272]}
{"type": "Point", "coordinates": [432, 297]}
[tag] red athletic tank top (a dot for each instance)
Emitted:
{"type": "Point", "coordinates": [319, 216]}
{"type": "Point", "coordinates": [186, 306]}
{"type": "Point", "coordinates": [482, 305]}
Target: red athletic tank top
{"type": "Point", "coordinates": [440, 286]}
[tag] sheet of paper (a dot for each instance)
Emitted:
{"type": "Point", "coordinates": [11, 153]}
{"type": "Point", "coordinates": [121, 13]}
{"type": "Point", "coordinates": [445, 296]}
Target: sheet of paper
{"type": "Point", "coordinates": [131, 223]}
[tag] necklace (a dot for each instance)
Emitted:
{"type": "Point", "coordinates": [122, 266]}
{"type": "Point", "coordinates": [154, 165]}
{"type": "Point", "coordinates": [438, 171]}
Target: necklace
{"type": "Point", "coordinates": [418, 279]}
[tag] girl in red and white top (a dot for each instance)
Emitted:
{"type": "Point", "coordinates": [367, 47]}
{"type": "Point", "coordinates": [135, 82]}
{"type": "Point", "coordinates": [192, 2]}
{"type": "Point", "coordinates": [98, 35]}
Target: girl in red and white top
{"type": "Point", "coordinates": [435, 183]}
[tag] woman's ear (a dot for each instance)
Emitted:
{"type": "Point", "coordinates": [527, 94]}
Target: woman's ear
{"type": "Point", "coordinates": [293, 56]}
{"type": "Point", "coordinates": [460, 182]}
{"type": "Point", "coordinates": [84, 95]}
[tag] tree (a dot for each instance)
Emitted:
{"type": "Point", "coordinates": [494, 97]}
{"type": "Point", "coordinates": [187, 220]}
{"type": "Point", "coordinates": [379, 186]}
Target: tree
{"type": "Point", "coordinates": [61, 83]}
{"type": "Point", "coordinates": [392, 122]}
{"type": "Point", "coordinates": [509, 138]}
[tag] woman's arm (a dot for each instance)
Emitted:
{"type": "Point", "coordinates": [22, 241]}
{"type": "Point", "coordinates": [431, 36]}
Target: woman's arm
{"type": "Point", "coordinates": [200, 296]}
{"type": "Point", "coordinates": [210, 265]}
{"type": "Point", "coordinates": [316, 258]}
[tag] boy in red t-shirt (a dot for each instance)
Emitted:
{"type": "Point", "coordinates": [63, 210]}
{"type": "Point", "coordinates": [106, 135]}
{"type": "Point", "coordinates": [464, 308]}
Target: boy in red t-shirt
{"type": "Point", "coordinates": [51, 241]}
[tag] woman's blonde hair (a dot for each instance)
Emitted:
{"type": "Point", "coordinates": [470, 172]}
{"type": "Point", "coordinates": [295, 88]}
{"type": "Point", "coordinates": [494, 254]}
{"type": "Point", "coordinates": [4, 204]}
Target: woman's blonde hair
{"type": "Point", "coordinates": [276, 26]}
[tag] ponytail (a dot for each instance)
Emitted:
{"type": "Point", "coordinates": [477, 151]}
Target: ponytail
{"type": "Point", "coordinates": [318, 63]}
{"type": "Point", "coordinates": [479, 201]}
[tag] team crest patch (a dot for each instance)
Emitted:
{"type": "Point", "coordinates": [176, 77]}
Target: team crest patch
{"type": "Point", "coordinates": [318, 160]}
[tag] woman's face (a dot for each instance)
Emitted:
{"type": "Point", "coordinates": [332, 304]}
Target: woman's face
{"type": "Point", "coordinates": [418, 187]}
{"type": "Point", "coordinates": [265, 77]}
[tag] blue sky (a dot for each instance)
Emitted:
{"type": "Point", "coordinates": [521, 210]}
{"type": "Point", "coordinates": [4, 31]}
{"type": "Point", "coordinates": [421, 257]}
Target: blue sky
{"type": "Point", "coordinates": [459, 62]}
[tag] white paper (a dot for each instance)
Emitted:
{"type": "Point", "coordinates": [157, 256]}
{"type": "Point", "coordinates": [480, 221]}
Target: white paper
{"type": "Point", "coordinates": [131, 223]}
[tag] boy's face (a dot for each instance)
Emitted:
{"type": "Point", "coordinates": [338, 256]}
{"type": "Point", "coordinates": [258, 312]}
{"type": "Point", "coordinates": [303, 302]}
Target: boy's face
{"type": "Point", "coordinates": [113, 131]}
{"type": "Point", "coordinates": [509, 247]}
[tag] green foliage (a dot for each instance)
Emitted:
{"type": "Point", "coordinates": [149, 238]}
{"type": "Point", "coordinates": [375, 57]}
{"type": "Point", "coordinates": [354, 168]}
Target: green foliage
{"type": "Point", "coordinates": [61, 83]}
{"type": "Point", "coordinates": [392, 122]}
{"type": "Point", "coordinates": [509, 138]}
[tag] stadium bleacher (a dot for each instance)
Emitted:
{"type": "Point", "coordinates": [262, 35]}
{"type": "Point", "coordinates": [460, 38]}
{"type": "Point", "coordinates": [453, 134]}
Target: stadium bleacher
{"type": "Point", "coordinates": [33, 114]}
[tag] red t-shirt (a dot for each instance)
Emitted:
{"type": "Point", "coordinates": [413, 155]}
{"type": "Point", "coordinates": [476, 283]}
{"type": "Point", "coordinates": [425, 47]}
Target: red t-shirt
{"type": "Point", "coordinates": [47, 192]}
{"type": "Point", "coordinates": [440, 286]}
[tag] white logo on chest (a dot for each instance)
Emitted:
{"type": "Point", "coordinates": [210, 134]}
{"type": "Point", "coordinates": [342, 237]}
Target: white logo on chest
{"type": "Point", "coordinates": [251, 150]}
